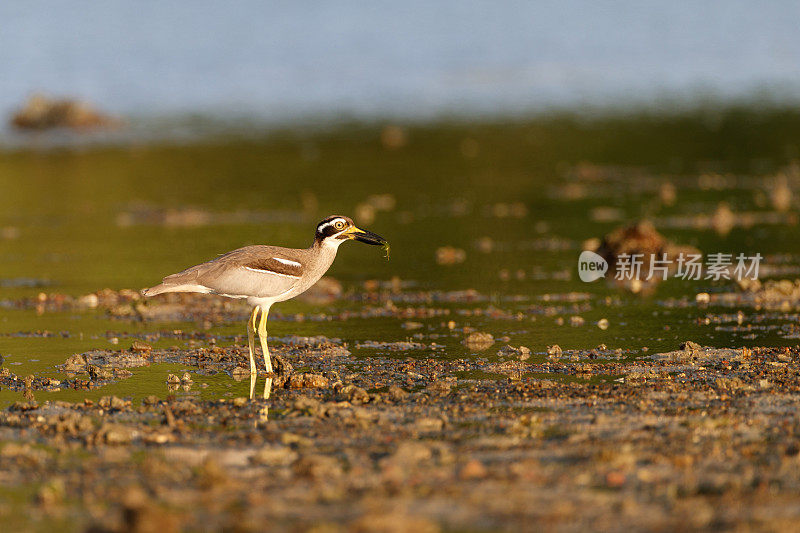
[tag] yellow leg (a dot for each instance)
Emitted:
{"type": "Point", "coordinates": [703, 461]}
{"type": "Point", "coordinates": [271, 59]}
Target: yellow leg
{"type": "Point", "coordinates": [262, 335]}
{"type": "Point", "coordinates": [251, 329]}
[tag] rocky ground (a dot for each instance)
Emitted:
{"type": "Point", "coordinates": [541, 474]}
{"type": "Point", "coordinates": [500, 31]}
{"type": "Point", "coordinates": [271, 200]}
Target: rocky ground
{"type": "Point", "coordinates": [699, 438]}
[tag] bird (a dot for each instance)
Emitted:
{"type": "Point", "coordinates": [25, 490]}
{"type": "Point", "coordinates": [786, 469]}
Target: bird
{"type": "Point", "coordinates": [264, 275]}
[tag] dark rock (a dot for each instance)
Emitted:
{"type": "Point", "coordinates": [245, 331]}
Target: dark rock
{"type": "Point", "coordinates": [689, 346]}
{"type": "Point", "coordinates": [479, 341]}
{"type": "Point", "coordinates": [353, 394]}
{"type": "Point", "coordinates": [309, 407]}
{"type": "Point", "coordinates": [75, 363]}
{"type": "Point", "coordinates": [139, 346]}
{"type": "Point", "coordinates": [97, 373]}
{"type": "Point", "coordinates": [307, 381]}
{"type": "Point", "coordinates": [397, 394]}
{"type": "Point", "coordinates": [112, 402]}
{"type": "Point", "coordinates": [281, 365]}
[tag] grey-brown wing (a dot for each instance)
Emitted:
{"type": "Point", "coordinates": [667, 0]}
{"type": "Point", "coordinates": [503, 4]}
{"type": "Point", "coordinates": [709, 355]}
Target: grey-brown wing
{"type": "Point", "coordinates": [260, 271]}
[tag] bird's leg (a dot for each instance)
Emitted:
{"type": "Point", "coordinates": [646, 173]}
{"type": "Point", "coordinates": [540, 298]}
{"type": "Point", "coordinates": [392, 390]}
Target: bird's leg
{"type": "Point", "coordinates": [262, 335]}
{"type": "Point", "coordinates": [253, 386]}
{"type": "Point", "coordinates": [251, 328]}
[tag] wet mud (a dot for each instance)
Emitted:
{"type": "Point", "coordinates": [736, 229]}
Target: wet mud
{"type": "Point", "coordinates": [582, 440]}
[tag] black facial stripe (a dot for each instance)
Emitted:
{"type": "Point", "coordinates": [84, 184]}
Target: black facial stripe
{"type": "Point", "coordinates": [327, 227]}
{"type": "Point", "coordinates": [328, 231]}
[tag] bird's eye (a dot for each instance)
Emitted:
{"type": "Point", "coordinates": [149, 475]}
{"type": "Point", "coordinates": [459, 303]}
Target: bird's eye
{"type": "Point", "coordinates": [339, 225]}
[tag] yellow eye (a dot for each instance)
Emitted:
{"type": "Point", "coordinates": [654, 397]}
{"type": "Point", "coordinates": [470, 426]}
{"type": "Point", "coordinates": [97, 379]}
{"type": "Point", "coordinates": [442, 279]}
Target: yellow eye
{"type": "Point", "coordinates": [339, 225]}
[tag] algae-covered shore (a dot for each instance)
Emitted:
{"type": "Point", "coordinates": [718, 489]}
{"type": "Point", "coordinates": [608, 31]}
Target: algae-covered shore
{"type": "Point", "coordinates": [473, 382]}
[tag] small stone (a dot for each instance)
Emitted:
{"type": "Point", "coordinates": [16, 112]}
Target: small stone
{"type": "Point", "coordinates": [576, 321]}
{"type": "Point", "coordinates": [554, 352]}
{"type": "Point", "coordinates": [474, 469]}
{"type": "Point", "coordinates": [732, 384]}
{"type": "Point", "coordinates": [116, 434]}
{"type": "Point", "coordinates": [173, 379]}
{"type": "Point", "coordinates": [615, 479]}
{"type": "Point", "coordinates": [691, 347]}
{"type": "Point", "coordinates": [439, 388]}
{"type": "Point", "coordinates": [89, 300]}
{"type": "Point", "coordinates": [24, 406]}
{"type": "Point", "coordinates": [307, 381]}
{"type": "Point", "coordinates": [309, 407]}
{"type": "Point", "coordinates": [318, 466]}
{"type": "Point", "coordinates": [294, 440]}
{"type": "Point", "coordinates": [429, 424]}
{"type": "Point", "coordinates": [186, 378]}
{"type": "Point", "coordinates": [352, 394]}
{"type": "Point", "coordinates": [281, 366]}
{"type": "Point", "coordinates": [239, 373]}
{"type": "Point", "coordinates": [239, 402]}
{"type": "Point", "coordinates": [142, 347]}
{"type": "Point", "coordinates": [479, 341]}
{"type": "Point", "coordinates": [409, 454]}
{"type": "Point", "coordinates": [151, 400]}
{"type": "Point", "coordinates": [98, 373]}
{"type": "Point", "coordinates": [75, 363]}
{"type": "Point", "coordinates": [274, 455]}
{"type": "Point", "coordinates": [397, 394]}
{"type": "Point", "coordinates": [112, 402]}
{"type": "Point", "coordinates": [449, 255]}
{"type": "Point", "coordinates": [158, 438]}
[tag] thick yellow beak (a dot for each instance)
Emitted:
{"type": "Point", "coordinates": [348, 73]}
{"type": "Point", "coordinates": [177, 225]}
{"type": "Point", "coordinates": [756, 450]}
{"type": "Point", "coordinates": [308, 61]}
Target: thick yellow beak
{"type": "Point", "coordinates": [364, 236]}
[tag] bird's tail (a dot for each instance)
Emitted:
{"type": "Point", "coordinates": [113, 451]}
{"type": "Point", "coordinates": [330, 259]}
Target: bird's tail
{"type": "Point", "coordinates": [173, 287]}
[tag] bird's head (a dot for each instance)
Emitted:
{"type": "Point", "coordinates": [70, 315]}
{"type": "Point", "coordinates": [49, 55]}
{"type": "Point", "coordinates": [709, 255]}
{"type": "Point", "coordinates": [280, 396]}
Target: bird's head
{"type": "Point", "coordinates": [336, 229]}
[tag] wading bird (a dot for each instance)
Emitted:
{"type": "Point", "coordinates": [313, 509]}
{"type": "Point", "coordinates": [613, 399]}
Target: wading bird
{"type": "Point", "coordinates": [264, 275]}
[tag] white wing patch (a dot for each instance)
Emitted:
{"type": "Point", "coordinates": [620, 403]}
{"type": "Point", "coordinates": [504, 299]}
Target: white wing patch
{"type": "Point", "coordinates": [271, 272]}
{"type": "Point", "coordinates": [287, 262]}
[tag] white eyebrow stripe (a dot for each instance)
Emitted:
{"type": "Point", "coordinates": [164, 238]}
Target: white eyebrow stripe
{"type": "Point", "coordinates": [287, 262]}
{"type": "Point", "coordinates": [331, 223]}
{"type": "Point", "coordinates": [271, 272]}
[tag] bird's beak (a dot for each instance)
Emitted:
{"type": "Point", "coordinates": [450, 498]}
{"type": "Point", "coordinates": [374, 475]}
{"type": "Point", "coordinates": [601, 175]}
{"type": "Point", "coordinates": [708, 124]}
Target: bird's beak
{"type": "Point", "coordinates": [364, 236]}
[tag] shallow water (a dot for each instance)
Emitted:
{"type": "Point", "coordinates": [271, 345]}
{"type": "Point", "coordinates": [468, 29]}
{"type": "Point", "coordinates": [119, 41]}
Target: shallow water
{"type": "Point", "coordinates": [279, 61]}
{"type": "Point", "coordinates": [519, 199]}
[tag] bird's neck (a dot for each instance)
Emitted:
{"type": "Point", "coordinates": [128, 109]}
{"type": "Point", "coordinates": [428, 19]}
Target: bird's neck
{"type": "Point", "coordinates": [323, 254]}
{"type": "Point", "coordinates": [326, 244]}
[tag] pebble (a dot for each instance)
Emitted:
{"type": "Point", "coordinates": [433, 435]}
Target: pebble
{"type": "Point", "coordinates": [473, 469]}
{"type": "Point", "coordinates": [307, 381]}
{"type": "Point", "coordinates": [274, 455]}
{"type": "Point", "coordinates": [353, 394]}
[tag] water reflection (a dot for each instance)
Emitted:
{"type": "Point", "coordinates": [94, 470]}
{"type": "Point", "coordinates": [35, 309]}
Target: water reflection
{"type": "Point", "coordinates": [267, 387]}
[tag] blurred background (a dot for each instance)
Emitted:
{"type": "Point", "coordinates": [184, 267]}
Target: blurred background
{"type": "Point", "coordinates": [489, 142]}
{"type": "Point", "coordinates": [280, 62]}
